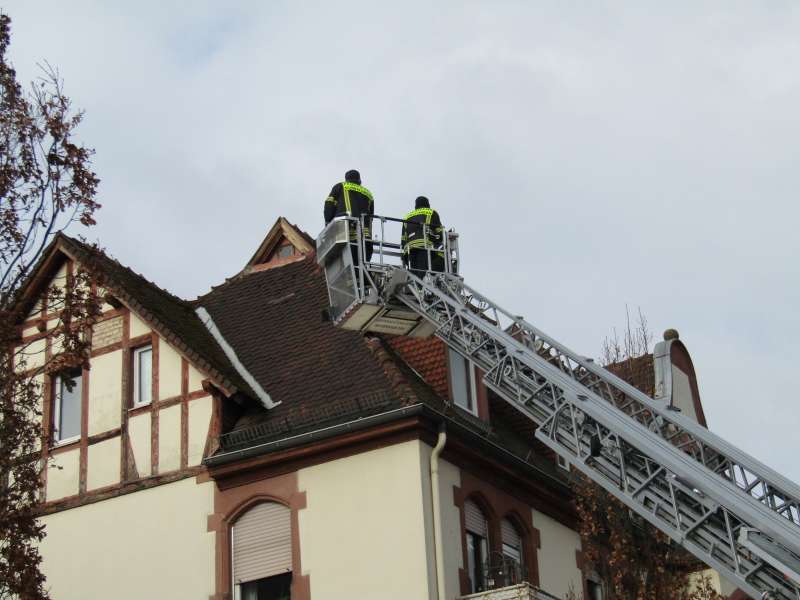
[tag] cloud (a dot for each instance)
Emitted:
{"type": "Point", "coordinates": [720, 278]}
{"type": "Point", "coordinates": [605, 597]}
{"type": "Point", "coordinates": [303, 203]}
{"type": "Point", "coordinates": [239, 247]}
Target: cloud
{"type": "Point", "coordinates": [589, 156]}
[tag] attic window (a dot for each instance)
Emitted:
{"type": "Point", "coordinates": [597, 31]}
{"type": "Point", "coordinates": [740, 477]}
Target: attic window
{"type": "Point", "coordinates": [284, 251]}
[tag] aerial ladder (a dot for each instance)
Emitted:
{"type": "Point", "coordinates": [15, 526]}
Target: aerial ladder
{"type": "Point", "coordinates": [729, 510]}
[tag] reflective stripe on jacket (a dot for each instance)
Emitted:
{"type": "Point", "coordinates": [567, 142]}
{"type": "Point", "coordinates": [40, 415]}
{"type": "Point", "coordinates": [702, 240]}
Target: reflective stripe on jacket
{"type": "Point", "coordinates": [424, 231]}
{"type": "Point", "coordinates": [350, 199]}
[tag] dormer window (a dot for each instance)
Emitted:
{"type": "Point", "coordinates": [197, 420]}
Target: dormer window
{"type": "Point", "coordinates": [142, 375]}
{"type": "Point", "coordinates": [284, 251]}
{"type": "Point", "coordinates": [67, 391]}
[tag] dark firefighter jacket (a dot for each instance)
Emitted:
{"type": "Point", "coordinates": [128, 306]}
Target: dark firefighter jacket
{"type": "Point", "coordinates": [414, 233]}
{"type": "Point", "coordinates": [348, 198]}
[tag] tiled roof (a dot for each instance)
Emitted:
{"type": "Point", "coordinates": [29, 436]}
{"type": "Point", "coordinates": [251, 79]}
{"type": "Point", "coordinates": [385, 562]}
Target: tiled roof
{"type": "Point", "coordinates": [318, 373]}
{"type": "Point", "coordinates": [428, 357]}
{"type": "Point", "coordinates": [173, 317]}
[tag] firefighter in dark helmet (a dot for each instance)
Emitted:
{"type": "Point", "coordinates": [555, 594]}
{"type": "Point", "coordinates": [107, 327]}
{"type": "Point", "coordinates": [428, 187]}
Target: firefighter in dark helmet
{"type": "Point", "coordinates": [350, 198]}
{"type": "Point", "coordinates": [423, 235]}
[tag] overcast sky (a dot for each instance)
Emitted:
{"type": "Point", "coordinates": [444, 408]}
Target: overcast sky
{"type": "Point", "coordinates": [590, 155]}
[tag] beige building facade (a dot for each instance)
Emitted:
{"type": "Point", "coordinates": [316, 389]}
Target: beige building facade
{"type": "Point", "coordinates": [238, 447]}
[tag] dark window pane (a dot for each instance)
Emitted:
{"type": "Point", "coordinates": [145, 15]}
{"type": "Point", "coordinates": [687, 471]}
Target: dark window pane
{"type": "Point", "coordinates": [595, 590]}
{"type": "Point", "coordinates": [276, 587]}
{"type": "Point", "coordinates": [476, 556]}
{"type": "Point", "coordinates": [69, 406]}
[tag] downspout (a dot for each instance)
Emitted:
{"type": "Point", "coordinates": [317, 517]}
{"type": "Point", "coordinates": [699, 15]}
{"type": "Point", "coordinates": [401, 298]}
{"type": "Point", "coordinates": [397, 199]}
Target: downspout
{"type": "Point", "coordinates": [438, 548]}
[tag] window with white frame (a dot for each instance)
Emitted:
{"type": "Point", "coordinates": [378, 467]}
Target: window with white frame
{"type": "Point", "coordinates": [142, 375]}
{"type": "Point", "coordinates": [67, 391]}
{"type": "Point", "coordinates": [462, 382]}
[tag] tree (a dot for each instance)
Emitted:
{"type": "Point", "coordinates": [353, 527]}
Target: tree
{"type": "Point", "coordinates": [46, 184]}
{"type": "Point", "coordinates": [634, 559]}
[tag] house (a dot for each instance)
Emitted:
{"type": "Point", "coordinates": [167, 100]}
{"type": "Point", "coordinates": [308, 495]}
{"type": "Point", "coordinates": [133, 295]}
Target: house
{"type": "Point", "coordinates": [240, 446]}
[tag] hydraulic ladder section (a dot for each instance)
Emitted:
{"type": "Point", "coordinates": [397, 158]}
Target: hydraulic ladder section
{"type": "Point", "coordinates": [732, 512]}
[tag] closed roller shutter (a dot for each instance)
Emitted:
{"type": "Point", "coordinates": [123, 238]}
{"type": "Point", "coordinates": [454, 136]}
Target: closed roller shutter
{"type": "Point", "coordinates": [474, 520]}
{"type": "Point", "coordinates": [262, 543]}
{"type": "Point", "coordinates": [510, 534]}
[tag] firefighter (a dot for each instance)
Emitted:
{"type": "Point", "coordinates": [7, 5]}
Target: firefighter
{"type": "Point", "coordinates": [350, 198]}
{"type": "Point", "coordinates": [422, 237]}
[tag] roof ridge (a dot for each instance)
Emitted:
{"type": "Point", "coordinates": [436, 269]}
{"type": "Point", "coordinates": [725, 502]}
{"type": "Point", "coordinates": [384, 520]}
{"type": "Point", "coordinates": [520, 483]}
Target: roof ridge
{"type": "Point", "coordinates": [396, 378]}
{"type": "Point", "coordinates": [114, 259]}
{"type": "Point", "coordinates": [239, 277]}
{"type": "Point", "coordinates": [171, 316]}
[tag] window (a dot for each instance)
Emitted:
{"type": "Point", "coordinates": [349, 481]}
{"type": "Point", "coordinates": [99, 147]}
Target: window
{"type": "Point", "coordinates": [512, 553]}
{"type": "Point", "coordinates": [67, 406]}
{"type": "Point", "coordinates": [285, 251]}
{"type": "Point", "coordinates": [594, 589]}
{"type": "Point", "coordinates": [142, 375]}
{"type": "Point", "coordinates": [261, 543]}
{"type": "Point", "coordinates": [462, 382]}
{"type": "Point", "coordinates": [277, 587]}
{"type": "Point", "coordinates": [477, 534]}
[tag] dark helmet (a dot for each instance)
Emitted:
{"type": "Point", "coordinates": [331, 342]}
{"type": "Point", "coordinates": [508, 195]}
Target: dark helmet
{"type": "Point", "coordinates": [353, 176]}
{"type": "Point", "coordinates": [422, 202]}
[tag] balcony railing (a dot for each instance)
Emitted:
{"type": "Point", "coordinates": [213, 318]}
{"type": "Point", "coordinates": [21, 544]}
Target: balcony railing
{"type": "Point", "coordinates": [521, 591]}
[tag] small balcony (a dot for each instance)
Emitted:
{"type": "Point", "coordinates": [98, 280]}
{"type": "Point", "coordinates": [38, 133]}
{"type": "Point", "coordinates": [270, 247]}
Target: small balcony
{"type": "Point", "coordinates": [521, 591]}
{"type": "Point", "coordinates": [504, 578]}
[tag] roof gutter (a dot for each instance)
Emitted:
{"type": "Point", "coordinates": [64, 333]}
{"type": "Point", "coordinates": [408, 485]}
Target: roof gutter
{"type": "Point", "coordinates": [262, 395]}
{"type": "Point", "coordinates": [313, 436]}
{"type": "Point", "coordinates": [364, 423]}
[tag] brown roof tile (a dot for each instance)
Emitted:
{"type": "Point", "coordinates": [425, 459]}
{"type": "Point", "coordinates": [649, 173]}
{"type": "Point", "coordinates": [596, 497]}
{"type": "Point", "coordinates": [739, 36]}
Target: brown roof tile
{"type": "Point", "coordinates": [428, 357]}
{"type": "Point", "coordinates": [273, 319]}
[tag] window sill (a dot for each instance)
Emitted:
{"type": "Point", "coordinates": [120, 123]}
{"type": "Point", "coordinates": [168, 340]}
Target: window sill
{"type": "Point", "coordinates": [62, 444]}
{"type": "Point", "coordinates": [139, 408]}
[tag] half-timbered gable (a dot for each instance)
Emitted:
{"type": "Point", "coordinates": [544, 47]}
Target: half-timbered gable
{"type": "Point", "coordinates": [142, 407]}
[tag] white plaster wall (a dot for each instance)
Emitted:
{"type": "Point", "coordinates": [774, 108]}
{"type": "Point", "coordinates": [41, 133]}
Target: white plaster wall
{"type": "Point", "coordinates": [58, 281]}
{"type": "Point", "coordinates": [195, 380]}
{"type": "Point", "coordinates": [682, 393]}
{"type": "Point", "coordinates": [102, 464]}
{"type": "Point", "coordinates": [169, 371]}
{"type": "Point", "coordinates": [199, 421]}
{"type": "Point", "coordinates": [138, 327]}
{"type": "Point", "coordinates": [101, 293]}
{"type": "Point", "coordinates": [362, 534]}
{"type": "Point", "coordinates": [722, 586]}
{"type": "Point", "coordinates": [63, 475]}
{"type": "Point", "coordinates": [449, 477]}
{"type": "Point", "coordinates": [31, 330]}
{"type": "Point", "coordinates": [557, 565]}
{"type": "Point", "coordinates": [139, 436]}
{"type": "Point", "coordinates": [105, 392]}
{"type": "Point", "coordinates": [32, 354]}
{"type": "Point", "coordinates": [169, 439]}
{"type": "Point", "coordinates": [36, 311]}
{"type": "Point", "coordinates": [148, 544]}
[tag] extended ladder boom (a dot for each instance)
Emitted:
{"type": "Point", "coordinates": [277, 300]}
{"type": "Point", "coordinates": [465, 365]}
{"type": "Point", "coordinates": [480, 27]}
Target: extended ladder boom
{"type": "Point", "coordinates": [727, 508]}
